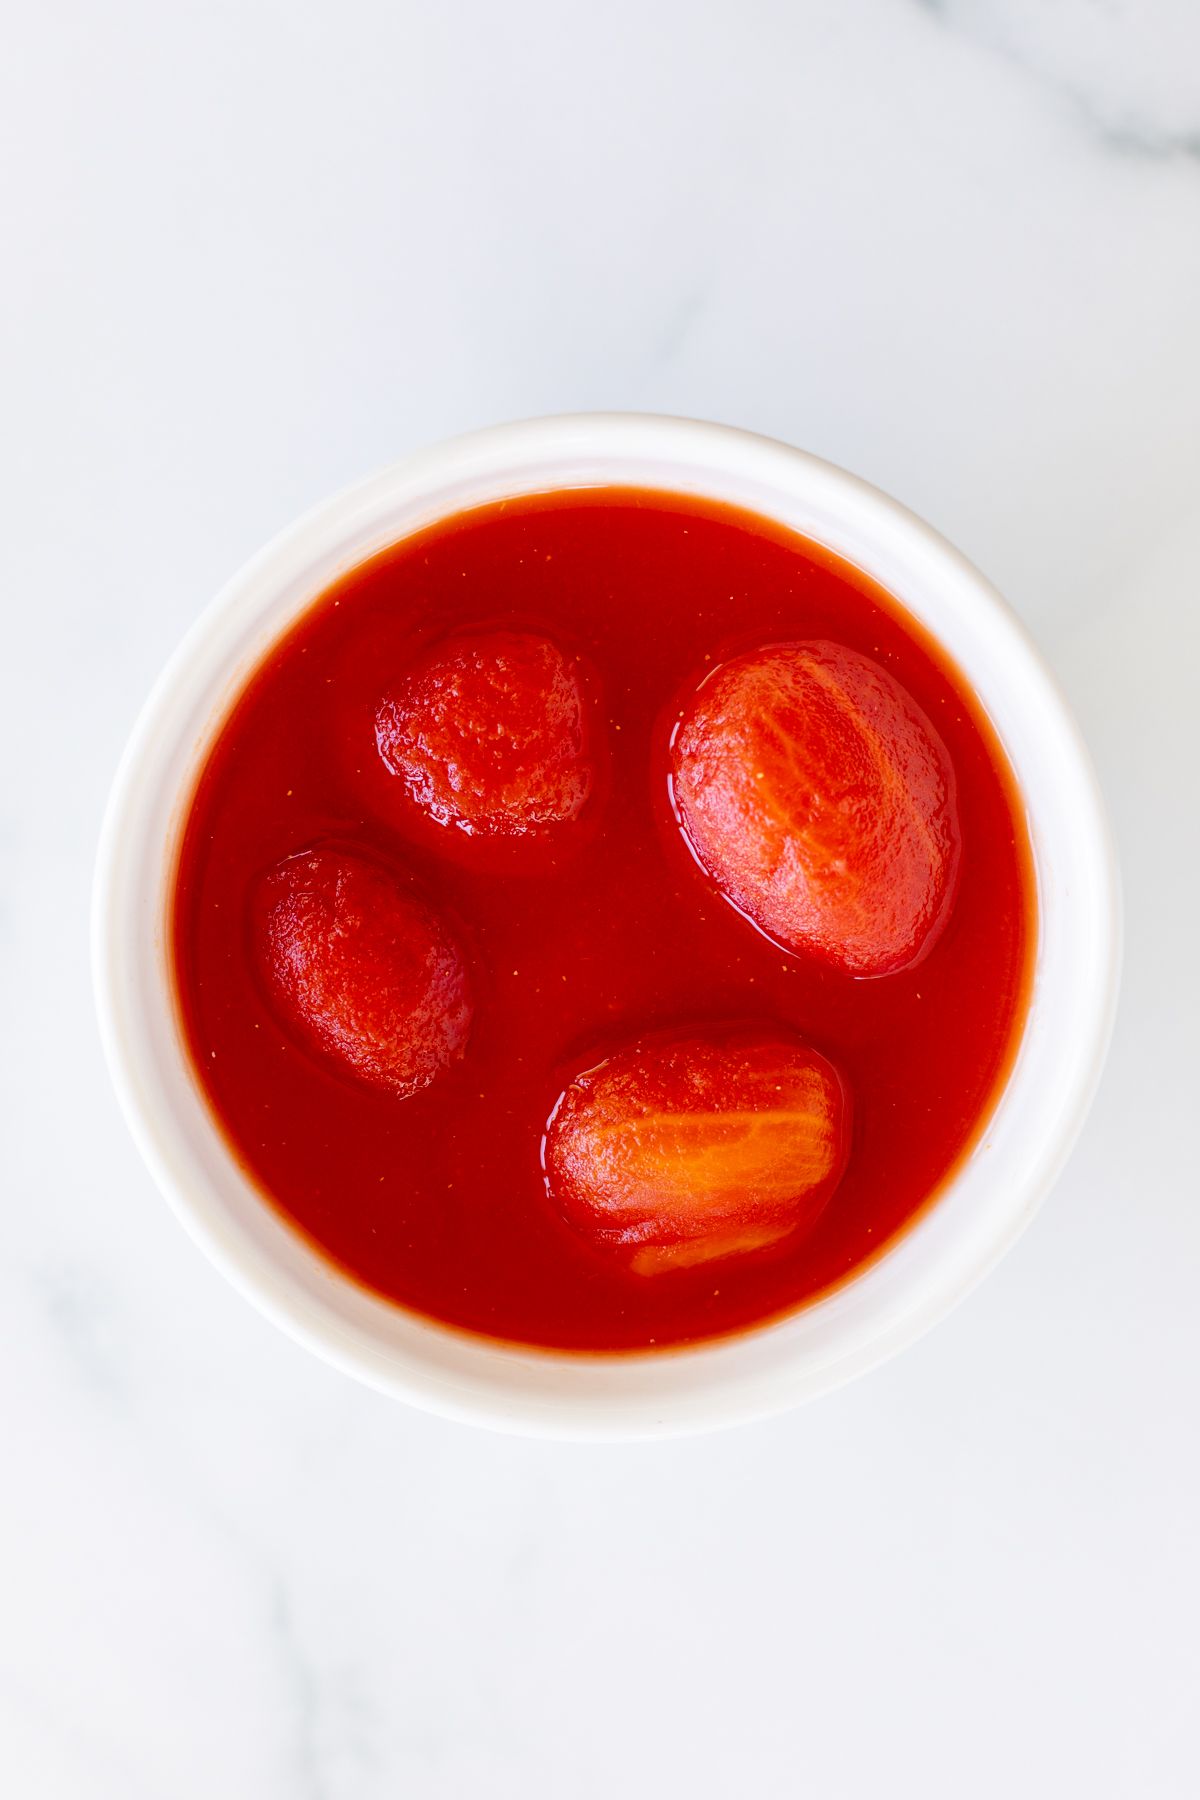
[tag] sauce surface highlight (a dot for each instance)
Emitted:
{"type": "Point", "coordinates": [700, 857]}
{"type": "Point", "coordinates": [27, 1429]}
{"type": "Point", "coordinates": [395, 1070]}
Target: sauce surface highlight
{"type": "Point", "coordinates": [584, 937]}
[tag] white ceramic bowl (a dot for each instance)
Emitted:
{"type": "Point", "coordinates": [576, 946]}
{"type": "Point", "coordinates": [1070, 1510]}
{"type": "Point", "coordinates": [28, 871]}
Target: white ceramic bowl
{"type": "Point", "coordinates": [980, 1211]}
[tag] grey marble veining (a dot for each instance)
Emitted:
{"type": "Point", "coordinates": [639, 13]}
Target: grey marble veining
{"type": "Point", "coordinates": [257, 252]}
{"type": "Point", "coordinates": [1129, 68]}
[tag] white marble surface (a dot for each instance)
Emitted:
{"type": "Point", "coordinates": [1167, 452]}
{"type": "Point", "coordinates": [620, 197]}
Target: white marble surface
{"type": "Point", "coordinates": [254, 250]}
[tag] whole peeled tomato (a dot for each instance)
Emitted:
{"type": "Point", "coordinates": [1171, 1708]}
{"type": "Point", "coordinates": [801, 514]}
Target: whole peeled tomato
{"type": "Point", "coordinates": [821, 800]}
{"type": "Point", "coordinates": [490, 733]}
{"type": "Point", "coordinates": [362, 970]}
{"type": "Point", "coordinates": [682, 1150]}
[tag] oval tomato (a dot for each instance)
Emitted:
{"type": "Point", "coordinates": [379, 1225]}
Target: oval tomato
{"type": "Point", "coordinates": [821, 800]}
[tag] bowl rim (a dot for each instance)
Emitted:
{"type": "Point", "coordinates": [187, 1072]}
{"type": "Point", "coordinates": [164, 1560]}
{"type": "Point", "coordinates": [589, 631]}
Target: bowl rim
{"type": "Point", "coordinates": [769, 1367]}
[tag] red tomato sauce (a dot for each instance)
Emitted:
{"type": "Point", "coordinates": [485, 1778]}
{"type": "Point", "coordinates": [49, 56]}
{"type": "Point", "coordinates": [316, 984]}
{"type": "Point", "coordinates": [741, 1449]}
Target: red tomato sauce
{"type": "Point", "coordinates": [585, 940]}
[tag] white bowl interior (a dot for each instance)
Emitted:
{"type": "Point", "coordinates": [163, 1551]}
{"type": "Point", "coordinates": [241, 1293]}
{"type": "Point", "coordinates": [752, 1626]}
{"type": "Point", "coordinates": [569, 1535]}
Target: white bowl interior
{"type": "Point", "coordinates": [981, 1209]}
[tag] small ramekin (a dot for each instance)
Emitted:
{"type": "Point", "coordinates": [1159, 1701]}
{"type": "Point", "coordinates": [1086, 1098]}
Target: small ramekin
{"type": "Point", "coordinates": [981, 1209]}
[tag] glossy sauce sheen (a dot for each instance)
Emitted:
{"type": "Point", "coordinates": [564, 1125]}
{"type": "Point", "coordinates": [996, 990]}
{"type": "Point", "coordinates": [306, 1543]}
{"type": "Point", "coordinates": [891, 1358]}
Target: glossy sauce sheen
{"type": "Point", "coordinates": [585, 940]}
